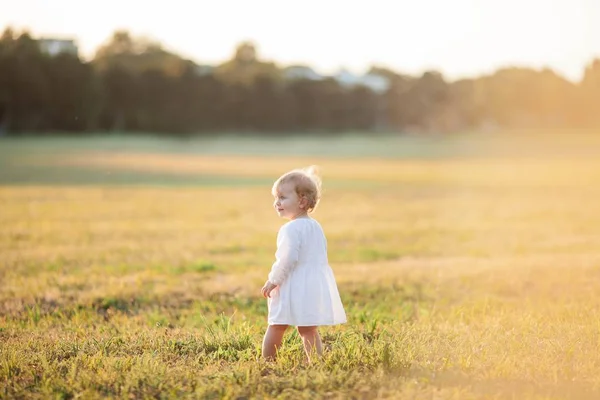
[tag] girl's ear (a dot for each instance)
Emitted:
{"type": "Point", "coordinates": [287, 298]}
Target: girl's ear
{"type": "Point", "coordinates": [303, 202]}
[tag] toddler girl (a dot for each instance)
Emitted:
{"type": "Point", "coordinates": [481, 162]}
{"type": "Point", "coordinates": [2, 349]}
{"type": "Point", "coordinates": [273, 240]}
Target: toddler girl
{"type": "Point", "coordinates": [301, 287]}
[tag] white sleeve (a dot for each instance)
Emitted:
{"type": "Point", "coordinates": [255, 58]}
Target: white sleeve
{"type": "Point", "coordinates": [286, 256]}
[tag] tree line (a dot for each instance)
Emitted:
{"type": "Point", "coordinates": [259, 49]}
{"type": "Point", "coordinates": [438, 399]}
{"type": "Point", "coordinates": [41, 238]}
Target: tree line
{"type": "Point", "coordinates": [135, 85]}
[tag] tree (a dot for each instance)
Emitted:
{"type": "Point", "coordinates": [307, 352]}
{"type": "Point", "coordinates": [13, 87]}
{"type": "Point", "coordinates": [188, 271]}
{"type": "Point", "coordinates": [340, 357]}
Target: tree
{"type": "Point", "coordinates": [73, 104]}
{"type": "Point", "coordinates": [589, 95]}
{"type": "Point", "coordinates": [24, 87]}
{"type": "Point", "coordinates": [245, 67]}
{"type": "Point", "coordinates": [121, 99]}
{"type": "Point", "coordinates": [138, 55]}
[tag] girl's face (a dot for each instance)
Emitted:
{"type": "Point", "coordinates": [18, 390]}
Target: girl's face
{"type": "Point", "coordinates": [287, 203]}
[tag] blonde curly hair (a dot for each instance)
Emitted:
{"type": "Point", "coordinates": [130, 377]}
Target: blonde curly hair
{"type": "Point", "coordinates": [307, 182]}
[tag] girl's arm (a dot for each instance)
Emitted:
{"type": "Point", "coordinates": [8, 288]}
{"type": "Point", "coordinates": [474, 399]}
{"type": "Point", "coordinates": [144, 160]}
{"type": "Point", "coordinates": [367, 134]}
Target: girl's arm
{"type": "Point", "coordinates": [288, 249]}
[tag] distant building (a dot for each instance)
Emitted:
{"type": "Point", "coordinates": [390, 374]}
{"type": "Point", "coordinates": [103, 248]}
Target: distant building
{"type": "Point", "coordinates": [377, 83]}
{"type": "Point", "coordinates": [296, 72]}
{"type": "Point", "coordinates": [54, 47]}
{"type": "Point", "coordinates": [346, 78]}
{"type": "Point", "coordinates": [204, 69]}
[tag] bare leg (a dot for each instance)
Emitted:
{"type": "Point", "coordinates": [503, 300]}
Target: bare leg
{"type": "Point", "coordinates": [311, 340]}
{"type": "Point", "coordinates": [272, 341]}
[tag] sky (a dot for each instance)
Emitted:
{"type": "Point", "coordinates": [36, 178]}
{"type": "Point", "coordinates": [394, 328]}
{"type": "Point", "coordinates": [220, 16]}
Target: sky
{"type": "Point", "coordinates": [460, 38]}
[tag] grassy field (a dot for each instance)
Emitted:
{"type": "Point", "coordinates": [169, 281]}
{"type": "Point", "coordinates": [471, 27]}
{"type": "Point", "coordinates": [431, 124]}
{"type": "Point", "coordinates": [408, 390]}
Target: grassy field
{"type": "Point", "coordinates": [469, 267]}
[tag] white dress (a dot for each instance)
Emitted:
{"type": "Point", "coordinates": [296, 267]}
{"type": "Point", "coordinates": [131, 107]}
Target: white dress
{"type": "Point", "coordinates": [307, 294]}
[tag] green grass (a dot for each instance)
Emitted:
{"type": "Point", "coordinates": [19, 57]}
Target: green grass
{"type": "Point", "coordinates": [465, 274]}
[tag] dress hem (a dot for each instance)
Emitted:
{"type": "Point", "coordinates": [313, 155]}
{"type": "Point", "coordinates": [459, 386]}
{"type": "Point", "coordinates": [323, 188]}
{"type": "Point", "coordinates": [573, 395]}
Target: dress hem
{"type": "Point", "coordinates": [307, 324]}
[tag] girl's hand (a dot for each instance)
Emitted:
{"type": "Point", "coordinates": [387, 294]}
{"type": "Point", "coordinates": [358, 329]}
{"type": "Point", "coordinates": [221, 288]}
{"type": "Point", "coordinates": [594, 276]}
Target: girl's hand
{"type": "Point", "coordinates": [267, 289]}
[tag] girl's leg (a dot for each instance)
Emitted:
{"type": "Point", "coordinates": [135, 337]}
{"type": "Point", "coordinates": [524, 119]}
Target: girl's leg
{"type": "Point", "coordinates": [311, 340]}
{"type": "Point", "coordinates": [272, 341]}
